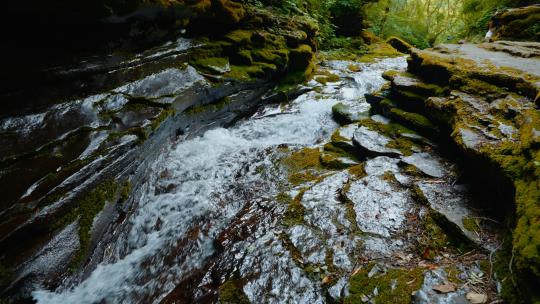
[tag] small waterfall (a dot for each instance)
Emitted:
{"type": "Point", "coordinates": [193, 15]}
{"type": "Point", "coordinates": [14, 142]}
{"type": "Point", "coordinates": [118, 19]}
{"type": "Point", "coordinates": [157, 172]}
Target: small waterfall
{"type": "Point", "coordinates": [199, 186]}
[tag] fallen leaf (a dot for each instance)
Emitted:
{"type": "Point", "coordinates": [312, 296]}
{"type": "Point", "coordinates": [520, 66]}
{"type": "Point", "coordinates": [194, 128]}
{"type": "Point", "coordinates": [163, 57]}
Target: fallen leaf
{"type": "Point", "coordinates": [427, 265]}
{"type": "Point", "coordinates": [326, 280]}
{"type": "Point", "coordinates": [444, 288]}
{"type": "Point", "coordinates": [476, 298]}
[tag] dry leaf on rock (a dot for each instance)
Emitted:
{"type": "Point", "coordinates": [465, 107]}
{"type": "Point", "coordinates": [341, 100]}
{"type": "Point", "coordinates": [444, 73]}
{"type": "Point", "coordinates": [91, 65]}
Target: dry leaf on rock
{"type": "Point", "coordinates": [476, 298]}
{"type": "Point", "coordinates": [444, 288]}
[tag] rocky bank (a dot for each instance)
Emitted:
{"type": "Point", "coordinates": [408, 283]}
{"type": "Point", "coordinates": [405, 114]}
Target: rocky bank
{"type": "Point", "coordinates": [483, 100]}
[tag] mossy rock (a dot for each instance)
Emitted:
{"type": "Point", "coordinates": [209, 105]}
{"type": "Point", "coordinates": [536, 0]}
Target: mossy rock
{"type": "Point", "coordinates": [395, 285]}
{"type": "Point", "coordinates": [239, 37]}
{"type": "Point", "coordinates": [415, 121]}
{"type": "Point", "coordinates": [337, 161]}
{"type": "Point", "coordinates": [231, 292]}
{"type": "Point", "coordinates": [369, 37]}
{"type": "Point", "coordinates": [399, 44]}
{"type": "Point", "coordinates": [520, 23]}
{"type": "Point", "coordinates": [378, 51]}
{"type": "Point", "coordinates": [343, 114]}
{"type": "Point", "coordinates": [301, 57]}
{"type": "Point", "coordinates": [242, 57]}
{"type": "Point", "coordinates": [269, 56]}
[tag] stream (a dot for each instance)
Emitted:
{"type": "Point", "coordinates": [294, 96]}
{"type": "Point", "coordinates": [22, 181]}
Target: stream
{"type": "Point", "coordinates": [211, 209]}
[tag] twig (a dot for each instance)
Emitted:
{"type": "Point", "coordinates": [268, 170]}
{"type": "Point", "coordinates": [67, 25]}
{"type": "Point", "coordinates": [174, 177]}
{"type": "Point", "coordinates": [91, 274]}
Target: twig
{"type": "Point", "coordinates": [486, 218]}
{"type": "Point", "coordinates": [491, 261]}
{"type": "Point", "coordinates": [510, 267]}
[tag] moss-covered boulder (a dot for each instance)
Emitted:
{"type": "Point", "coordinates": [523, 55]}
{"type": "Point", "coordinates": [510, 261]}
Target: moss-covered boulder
{"type": "Point", "coordinates": [483, 102]}
{"type": "Point", "coordinates": [518, 24]}
{"type": "Point", "coordinates": [399, 44]}
{"type": "Point", "coordinates": [345, 114]}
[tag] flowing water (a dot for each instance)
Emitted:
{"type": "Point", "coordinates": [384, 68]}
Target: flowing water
{"type": "Point", "coordinates": [211, 202]}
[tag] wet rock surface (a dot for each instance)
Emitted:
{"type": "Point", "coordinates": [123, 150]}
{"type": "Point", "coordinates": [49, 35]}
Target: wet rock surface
{"type": "Point", "coordinates": [486, 105]}
{"type": "Point", "coordinates": [71, 161]}
{"type": "Point", "coordinates": [281, 224]}
{"type": "Point", "coordinates": [287, 205]}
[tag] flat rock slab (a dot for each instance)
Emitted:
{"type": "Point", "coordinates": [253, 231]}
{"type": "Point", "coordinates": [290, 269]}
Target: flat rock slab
{"type": "Point", "coordinates": [515, 48]}
{"type": "Point", "coordinates": [481, 55]}
{"type": "Point", "coordinates": [426, 163]}
{"type": "Point", "coordinates": [346, 114]}
{"type": "Point", "coordinates": [453, 204]}
{"type": "Point", "coordinates": [379, 204]}
{"type": "Point", "coordinates": [373, 143]}
{"type": "Point", "coordinates": [426, 295]}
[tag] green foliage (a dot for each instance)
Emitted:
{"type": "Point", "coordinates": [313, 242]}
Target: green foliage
{"type": "Point", "coordinates": [334, 18]}
{"type": "Point", "coordinates": [422, 23]}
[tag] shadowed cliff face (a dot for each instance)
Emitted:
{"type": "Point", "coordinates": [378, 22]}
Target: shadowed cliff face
{"type": "Point", "coordinates": [78, 144]}
{"type": "Point", "coordinates": [41, 37]}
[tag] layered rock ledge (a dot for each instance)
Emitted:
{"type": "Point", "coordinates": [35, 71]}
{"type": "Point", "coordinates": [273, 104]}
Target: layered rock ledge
{"type": "Point", "coordinates": [482, 100]}
{"type": "Point", "coordinates": [72, 164]}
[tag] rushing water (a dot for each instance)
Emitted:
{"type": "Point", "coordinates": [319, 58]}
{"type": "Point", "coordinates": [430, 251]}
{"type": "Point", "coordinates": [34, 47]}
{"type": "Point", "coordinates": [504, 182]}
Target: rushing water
{"type": "Point", "coordinates": [198, 187]}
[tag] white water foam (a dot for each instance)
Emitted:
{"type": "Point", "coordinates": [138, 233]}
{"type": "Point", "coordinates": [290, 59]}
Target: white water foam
{"type": "Point", "coordinates": [162, 246]}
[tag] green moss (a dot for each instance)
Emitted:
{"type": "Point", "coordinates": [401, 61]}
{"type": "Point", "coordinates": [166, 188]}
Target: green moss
{"type": "Point", "coordinates": [295, 211]}
{"type": "Point", "coordinates": [210, 107]}
{"type": "Point", "coordinates": [141, 133]}
{"type": "Point", "coordinates": [284, 198]}
{"type": "Point", "coordinates": [358, 171]}
{"type": "Point", "coordinates": [477, 87]}
{"type": "Point", "coordinates": [301, 58]}
{"type": "Point", "coordinates": [394, 286]}
{"type": "Point", "coordinates": [390, 74]}
{"type": "Point", "coordinates": [433, 239]}
{"type": "Point", "coordinates": [413, 171]}
{"type": "Point", "coordinates": [212, 65]}
{"type": "Point", "coordinates": [333, 160]}
{"type": "Point", "coordinates": [231, 292]}
{"type": "Point", "coordinates": [87, 209]}
{"type": "Point", "coordinates": [336, 137]}
{"type": "Point", "coordinates": [350, 213]}
{"type": "Point", "coordinates": [453, 274]}
{"type": "Point", "coordinates": [354, 68]}
{"type": "Point", "coordinates": [279, 59]}
{"type": "Point", "coordinates": [248, 72]}
{"type": "Point", "coordinates": [471, 224]}
{"type": "Point", "coordinates": [163, 115]}
{"type": "Point", "coordinates": [455, 235]}
{"type": "Point", "coordinates": [329, 262]}
{"type": "Point", "coordinates": [302, 159]}
{"type": "Point", "coordinates": [399, 44]}
{"type": "Point", "coordinates": [242, 57]}
{"type": "Point", "coordinates": [404, 145]}
{"type": "Point", "coordinates": [526, 237]}
{"type": "Point", "coordinates": [125, 191]}
{"type": "Point", "coordinates": [325, 76]}
{"type": "Point", "coordinates": [298, 178]}
{"type": "Point", "coordinates": [378, 51]}
{"type": "Point", "coordinates": [415, 120]}
{"type": "Point", "coordinates": [239, 37]}
{"type": "Point", "coordinates": [392, 129]}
